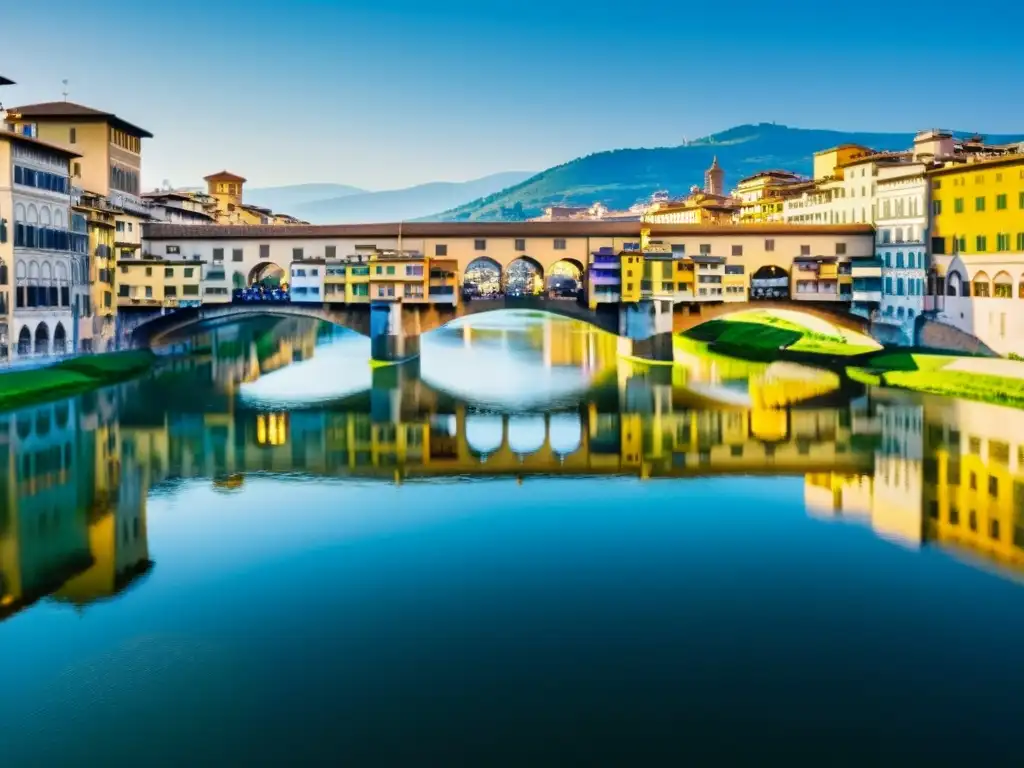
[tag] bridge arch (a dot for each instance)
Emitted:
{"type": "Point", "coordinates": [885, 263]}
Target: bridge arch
{"type": "Point", "coordinates": [527, 434]}
{"type": "Point", "coordinates": [524, 275]}
{"type": "Point", "coordinates": [267, 272]}
{"type": "Point", "coordinates": [482, 277]}
{"type": "Point", "coordinates": [566, 433]}
{"type": "Point", "coordinates": [565, 276]}
{"type": "Point", "coordinates": [770, 282]}
{"type": "Point", "coordinates": [835, 315]}
{"type": "Point", "coordinates": [485, 434]}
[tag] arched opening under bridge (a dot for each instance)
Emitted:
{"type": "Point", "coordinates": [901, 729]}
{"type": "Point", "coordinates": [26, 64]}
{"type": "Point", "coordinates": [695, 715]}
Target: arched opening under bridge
{"type": "Point", "coordinates": [564, 279]}
{"type": "Point", "coordinates": [524, 277]}
{"type": "Point", "coordinates": [770, 282]}
{"type": "Point", "coordinates": [482, 278]}
{"type": "Point", "coordinates": [267, 275]}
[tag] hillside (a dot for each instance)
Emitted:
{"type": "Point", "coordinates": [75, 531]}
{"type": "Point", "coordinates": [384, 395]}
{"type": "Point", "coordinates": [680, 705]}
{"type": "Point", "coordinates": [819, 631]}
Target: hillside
{"type": "Point", "coordinates": [325, 204]}
{"type": "Point", "coordinates": [619, 178]}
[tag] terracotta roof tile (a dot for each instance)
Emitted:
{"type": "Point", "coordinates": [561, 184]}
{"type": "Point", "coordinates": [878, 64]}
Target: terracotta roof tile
{"type": "Point", "coordinates": [440, 230]}
{"type": "Point", "coordinates": [72, 111]}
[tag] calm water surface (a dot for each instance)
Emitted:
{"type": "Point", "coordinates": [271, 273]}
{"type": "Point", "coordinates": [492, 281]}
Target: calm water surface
{"type": "Point", "coordinates": [520, 551]}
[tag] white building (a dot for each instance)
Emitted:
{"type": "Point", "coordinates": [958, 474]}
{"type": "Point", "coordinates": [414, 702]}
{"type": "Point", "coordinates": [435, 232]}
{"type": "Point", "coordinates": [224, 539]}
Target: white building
{"type": "Point", "coordinates": [901, 245]}
{"type": "Point", "coordinates": [174, 207]}
{"type": "Point", "coordinates": [36, 244]}
{"type": "Point", "coordinates": [307, 281]}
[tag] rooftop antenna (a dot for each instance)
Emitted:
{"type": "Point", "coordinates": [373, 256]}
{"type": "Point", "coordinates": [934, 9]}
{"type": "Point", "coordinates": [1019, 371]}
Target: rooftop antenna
{"type": "Point", "coordinates": [65, 91]}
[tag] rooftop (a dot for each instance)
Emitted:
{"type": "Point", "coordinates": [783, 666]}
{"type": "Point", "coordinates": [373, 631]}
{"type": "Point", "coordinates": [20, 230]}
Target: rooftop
{"type": "Point", "coordinates": [437, 230]}
{"type": "Point", "coordinates": [69, 110]}
{"type": "Point", "coordinates": [224, 176]}
{"type": "Point", "coordinates": [19, 138]}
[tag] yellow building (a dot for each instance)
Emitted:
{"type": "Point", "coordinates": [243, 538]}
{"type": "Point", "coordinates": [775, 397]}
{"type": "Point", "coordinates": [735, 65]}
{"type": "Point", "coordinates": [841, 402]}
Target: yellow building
{"type": "Point", "coordinates": [97, 325]}
{"type": "Point", "coordinates": [977, 248]}
{"type": "Point", "coordinates": [399, 276]}
{"type": "Point", "coordinates": [699, 208]}
{"type": "Point", "coordinates": [828, 163]}
{"type": "Point", "coordinates": [762, 195]}
{"type": "Point", "coordinates": [226, 189]}
{"type": "Point", "coordinates": [163, 283]}
{"type": "Point", "coordinates": [110, 147]}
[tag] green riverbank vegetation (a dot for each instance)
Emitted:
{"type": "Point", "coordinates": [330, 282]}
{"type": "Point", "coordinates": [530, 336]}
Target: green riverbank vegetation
{"type": "Point", "coordinates": [71, 377]}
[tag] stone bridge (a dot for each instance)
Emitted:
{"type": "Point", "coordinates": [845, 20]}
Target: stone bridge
{"type": "Point", "coordinates": [151, 329]}
{"type": "Point", "coordinates": [687, 316]}
{"type": "Point", "coordinates": [645, 328]}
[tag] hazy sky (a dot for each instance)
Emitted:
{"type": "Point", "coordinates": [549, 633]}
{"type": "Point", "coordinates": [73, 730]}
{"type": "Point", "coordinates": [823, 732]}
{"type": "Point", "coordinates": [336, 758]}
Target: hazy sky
{"type": "Point", "coordinates": [386, 93]}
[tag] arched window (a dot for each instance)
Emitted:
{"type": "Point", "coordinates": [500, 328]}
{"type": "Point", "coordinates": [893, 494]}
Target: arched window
{"type": "Point", "coordinates": [1002, 286]}
{"type": "Point", "coordinates": [954, 284]}
{"type": "Point", "coordinates": [42, 346]}
{"type": "Point", "coordinates": [981, 286]}
{"type": "Point", "coordinates": [24, 341]}
{"type": "Point", "coordinates": [60, 340]}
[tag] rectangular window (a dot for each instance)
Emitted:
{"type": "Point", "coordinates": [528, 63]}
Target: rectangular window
{"type": "Point", "coordinates": [937, 184]}
{"type": "Point", "coordinates": [330, 252]}
{"type": "Point", "coordinates": [936, 207]}
{"type": "Point", "coordinates": [805, 250]}
{"type": "Point", "coordinates": [559, 244]}
{"type": "Point", "coordinates": [520, 244]}
{"type": "Point", "coordinates": [980, 244]}
{"type": "Point", "coordinates": [1000, 202]}
{"type": "Point", "coordinates": [188, 273]}
{"type": "Point", "coordinates": [440, 249]}
{"type": "Point", "coordinates": [190, 290]}
{"type": "Point", "coordinates": [737, 250]}
{"type": "Point", "coordinates": [218, 254]}
{"type": "Point", "coordinates": [236, 254]}
{"type": "Point", "coordinates": [705, 249]}
{"type": "Point", "coordinates": [168, 271]}
{"type": "Point", "coordinates": [479, 245]}
{"type": "Point", "coordinates": [840, 249]}
{"type": "Point", "coordinates": [391, 270]}
{"type": "Point", "coordinates": [979, 204]}
{"type": "Point", "coordinates": [265, 252]}
{"type": "Point", "coordinates": [173, 250]}
{"type": "Point", "coordinates": [1003, 242]}
{"type": "Point", "coordinates": [297, 254]}
{"type": "Point", "coordinates": [1020, 199]}
{"type": "Point", "coordinates": [958, 205]}
{"type": "Point", "coordinates": [1020, 241]}
{"type": "Point", "coordinates": [149, 292]}
{"type": "Point", "coordinates": [769, 245]}
{"type": "Point", "coordinates": [678, 249]}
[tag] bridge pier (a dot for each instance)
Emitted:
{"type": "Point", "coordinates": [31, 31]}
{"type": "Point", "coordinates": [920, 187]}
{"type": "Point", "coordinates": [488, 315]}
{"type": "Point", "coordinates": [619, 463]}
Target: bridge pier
{"type": "Point", "coordinates": [394, 334]}
{"type": "Point", "coordinates": [391, 386]}
{"type": "Point", "coordinates": [645, 330]}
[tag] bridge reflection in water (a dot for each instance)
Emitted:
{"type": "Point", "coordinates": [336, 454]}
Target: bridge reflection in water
{"type": "Point", "coordinates": [76, 474]}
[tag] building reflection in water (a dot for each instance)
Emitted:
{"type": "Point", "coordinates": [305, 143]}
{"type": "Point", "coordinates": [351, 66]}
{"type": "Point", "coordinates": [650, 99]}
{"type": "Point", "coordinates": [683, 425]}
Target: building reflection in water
{"type": "Point", "coordinates": [77, 473]}
{"type": "Point", "coordinates": [945, 471]}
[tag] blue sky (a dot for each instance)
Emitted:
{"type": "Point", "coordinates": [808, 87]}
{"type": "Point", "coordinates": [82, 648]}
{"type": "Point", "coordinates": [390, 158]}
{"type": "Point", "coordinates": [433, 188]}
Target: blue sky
{"type": "Point", "coordinates": [386, 93]}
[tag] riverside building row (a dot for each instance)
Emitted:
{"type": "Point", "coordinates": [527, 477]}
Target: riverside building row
{"type": "Point", "coordinates": [71, 206]}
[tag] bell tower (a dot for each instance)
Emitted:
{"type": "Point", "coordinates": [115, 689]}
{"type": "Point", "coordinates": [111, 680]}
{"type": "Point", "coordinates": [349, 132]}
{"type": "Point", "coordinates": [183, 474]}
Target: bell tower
{"type": "Point", "coordinates": [714, 179]}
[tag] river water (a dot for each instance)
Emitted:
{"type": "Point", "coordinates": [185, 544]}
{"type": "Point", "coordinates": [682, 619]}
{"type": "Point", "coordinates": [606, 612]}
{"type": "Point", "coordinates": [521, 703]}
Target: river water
{"type": "Point", "coordinates": [520, 551]}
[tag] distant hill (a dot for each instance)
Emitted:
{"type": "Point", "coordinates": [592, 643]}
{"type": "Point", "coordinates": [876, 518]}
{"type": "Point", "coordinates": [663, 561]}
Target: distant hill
{"type": "Point", "coordinates": [287, 197]}
{"type": "Point", "coordinates": [352, 205]}
{"type": "Point", "coordinates": [621, 177]}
